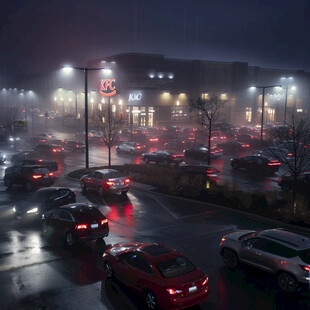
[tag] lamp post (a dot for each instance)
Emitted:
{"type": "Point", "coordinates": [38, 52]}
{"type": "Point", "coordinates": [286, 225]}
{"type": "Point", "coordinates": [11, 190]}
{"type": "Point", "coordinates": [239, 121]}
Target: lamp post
{"type": "Point", "coordinates": [69, 68]}
{"type": "Point", "coordinates": [286, 79]}
{"type": "Point", "coordinates": [263, 107]}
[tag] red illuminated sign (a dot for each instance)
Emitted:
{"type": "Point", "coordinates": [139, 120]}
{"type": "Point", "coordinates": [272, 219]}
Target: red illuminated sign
{"type": "Point", "coordinates": [107, 87]}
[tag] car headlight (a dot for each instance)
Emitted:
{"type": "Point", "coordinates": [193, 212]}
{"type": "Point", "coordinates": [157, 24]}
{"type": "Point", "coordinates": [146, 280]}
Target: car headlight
{"type": "Point", "coordinates": [11, 139]}
{"type": "Point", "coordinates": [34, 210]}
{"type": "Point", "coordinates": [14, 209]}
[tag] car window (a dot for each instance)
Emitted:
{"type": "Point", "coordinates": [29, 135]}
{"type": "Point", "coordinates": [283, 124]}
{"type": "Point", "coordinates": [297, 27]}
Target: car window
{"type": "Point", "coordinates": [175, 267]}
{"type": "Point", "coordinates": [138, 262]}
{"type": "Point", "coordinates": [54, 195]}
{"type": "Point", "coordinates": [256, 243]}
{"type": "Point", "coordinates": [305, 256]}
{"type": "Point", "coordinates": [92, 174]}
{"type": "Point", "coordinates": [279, 249]}
{"type": "Point", "coordinates": [98, 175]}
{"type": "Point", "coordinates": [22, 170]}
{"type": "Point", "coordinates": [64, 215]}
{"type": "Point", "coordinates": [63, 192]}
{"type": "Point", "coordinates": [41, 170]}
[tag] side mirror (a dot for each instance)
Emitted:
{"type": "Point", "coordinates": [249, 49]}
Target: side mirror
{"type": "Point", "coordinates": [247, 244]}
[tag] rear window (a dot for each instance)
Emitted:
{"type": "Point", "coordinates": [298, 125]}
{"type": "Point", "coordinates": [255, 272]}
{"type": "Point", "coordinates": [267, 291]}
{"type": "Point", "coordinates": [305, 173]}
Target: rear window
{"type": "Point", "coordinates": [87, 214]}
{"type": "Point", "coordinates": [175, 267]}
{"type": "Point", "coordinates": [305, 256]}
{"type": "Point", "coordinates": [40, 170]}
{"type": "Point", "coordinates": [114, 174]}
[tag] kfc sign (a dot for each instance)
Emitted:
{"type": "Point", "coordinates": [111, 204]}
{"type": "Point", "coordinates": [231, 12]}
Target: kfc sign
{"type": "Point", "coordinates": [135, 96]}
{"type": "Point", "coordinates": [107, 87]}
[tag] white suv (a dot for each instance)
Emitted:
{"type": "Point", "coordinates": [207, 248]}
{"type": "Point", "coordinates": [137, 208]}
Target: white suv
{"type": "Point", "coordinates": [283, 253]}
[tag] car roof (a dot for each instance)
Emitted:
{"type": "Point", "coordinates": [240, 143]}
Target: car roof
{"type": "Point", "coordinates": [51, 189]}
{"type": "Point", "coordinates": [106, 171]}
{"type": "Point", "coordinates": [77, 207]}
{"type": "Point", "coordinates": [290, 239]}
{"type": "Point", "coordinates": [156, 252]}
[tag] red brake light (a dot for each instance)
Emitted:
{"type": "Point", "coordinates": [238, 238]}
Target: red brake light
{"type": "Point", "coordinates": [274, 163]}
{"type": "Point", "coordinates": [280, 180]}
{"type": "Point", "coordinates": [37, 176]}
{"type": "Point", "coordinates": [138, 147]}
{"type": "Point", "coordinates": [109, 183]}
{"type": "Point", "coordinates": [104, 221]}
{"type": "Point", "coordinates": [290, 154]}
{"type": "Point", "coordinates": [40, 160]}
{"type": "Point", "coordinates": [54, 150]}
{"type": "Point", "coordinates": [205, 281]}
{"type": "Point", "coordinates": [245, 145]}
{"type": "Point", "coordinates": [172, 291]}
{"type": "Point", "coordinates": [305, 268]}
{"type": "Point", "coordinates": [50, 174]}
{"type": "Point", "coordinates": [153, 139]}
{"type": "Point", "coordinates": [81, 226]}
{"type": "Point", "coordinates": [126, 181]}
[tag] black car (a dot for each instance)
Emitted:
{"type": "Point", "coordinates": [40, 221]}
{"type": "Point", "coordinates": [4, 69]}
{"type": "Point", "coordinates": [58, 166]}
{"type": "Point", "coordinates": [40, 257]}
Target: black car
{"type": "Point", "coordinates": [75, 223]}
{"type": "Point", "coordinates": [164, 157]}
{"type": "Point", "coordinates": [29, 176]}
{"type": "Point", "coordinates": [17, 158]}
{"type": "Point", "coordinates": [49, 151]}
{"type": "Point", "coordinates": [232, 147]}
{"type": "Point", "coordinates": [256, 164]}
{"type": "Point", "coordinates": [208, 171]}
{"type": "Point", "coordinates": [43, 200]}
{"type": "Point", "coordinates": [302, 182]}
{"type": "Point", "coordinates": [51, 165]}
{"type": "Point", "coordinates": [73, 146]}
{"type": "Point", "coordinates": [200, 151]}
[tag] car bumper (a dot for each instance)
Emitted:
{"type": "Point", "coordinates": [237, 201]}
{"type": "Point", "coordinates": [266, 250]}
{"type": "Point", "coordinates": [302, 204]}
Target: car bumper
{"type": "Point", "coordinates": [93, 237]}
{"type": "Point", "coordinates": [188, 301]}
{"type": "Point", "coordinates": [118, 189]}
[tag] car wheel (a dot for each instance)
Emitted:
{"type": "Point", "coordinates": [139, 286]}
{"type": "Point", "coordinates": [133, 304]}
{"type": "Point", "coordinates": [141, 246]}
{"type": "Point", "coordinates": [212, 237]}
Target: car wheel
{"type": "Point", "coordinates": [7, 182]}
{"type": "Point", "coordinates": [101, 191]}
{"type": "Point", "coordinates": [230, 258]}
{"type": "Point", "coordinates": [150, 300]}
{"type": "Point", "coordinates": [29, 187]}
{"type": "Point", "coordinates": [69, 240]}
{"type": "Point", "coordinates": [108, 270]}
{"type": "Point", "coordinates": [83, 186]}
{"type": "Point", "coordinates": [287, 283]}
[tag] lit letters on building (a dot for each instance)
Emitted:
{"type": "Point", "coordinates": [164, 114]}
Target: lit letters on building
{"type": "Point", "coordinates": [136, 96]}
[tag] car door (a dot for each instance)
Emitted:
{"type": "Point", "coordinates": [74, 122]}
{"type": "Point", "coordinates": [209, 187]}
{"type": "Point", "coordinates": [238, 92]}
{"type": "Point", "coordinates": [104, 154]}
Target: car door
{"type": "Point", "coordinates": [97, 180]}
{"type": "Point", "coordinates": [89, 179]}
{"type": "Point", "coordinates": [64, 222]}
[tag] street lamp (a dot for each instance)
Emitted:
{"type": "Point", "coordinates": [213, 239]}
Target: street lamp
{"type": "Point", "coordinates": [286, 79]}
{"type": "Point", "coordinates": [263, 106]}
{"type": "Point", "coordinates": [69, 69]}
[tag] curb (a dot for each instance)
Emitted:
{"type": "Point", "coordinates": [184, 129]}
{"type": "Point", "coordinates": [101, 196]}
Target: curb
{"type": "Point", "coordinates": [259, 218]}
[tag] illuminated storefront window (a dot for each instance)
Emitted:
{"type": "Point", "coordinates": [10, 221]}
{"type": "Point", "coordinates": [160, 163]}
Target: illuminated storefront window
{"type": "Point", "coordinates": [143, 117]}
{"type": "Point", "coordinates": [248, 114]}
{"type": "Point", "coordinates": [151, 116]}
{"type": "Point", "coordinates": [179, 113]}
{"type": "Point", "coordinates": [135, 116]}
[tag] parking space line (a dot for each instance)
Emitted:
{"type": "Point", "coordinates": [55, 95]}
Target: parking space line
{"type": "Point", "coordinates": [164, 207]}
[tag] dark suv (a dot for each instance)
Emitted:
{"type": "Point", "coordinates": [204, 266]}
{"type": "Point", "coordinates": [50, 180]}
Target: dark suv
{"type": "Point", "coordinates": [49, 150]}
{"type": "Point", "coordinates": [29, 176]}
{"type": "Point", "coordinates": [302, 182]}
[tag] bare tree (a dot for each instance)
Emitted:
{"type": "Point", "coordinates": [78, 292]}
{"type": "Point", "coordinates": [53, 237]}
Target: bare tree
{"type": "Point", "coordinates": [292, 139]}
{"type": "Point", "coordinates": [208, 115]}
{"type": "Point", "coordinates": [109, 128]}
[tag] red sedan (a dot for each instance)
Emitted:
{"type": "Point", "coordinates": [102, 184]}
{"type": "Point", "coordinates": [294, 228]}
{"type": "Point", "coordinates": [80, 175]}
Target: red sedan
{"type": "Point", "coordinates": [161, 275]}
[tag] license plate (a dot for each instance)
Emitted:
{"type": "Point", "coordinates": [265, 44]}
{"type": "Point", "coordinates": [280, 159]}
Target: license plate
{"type": "Point", "coordinates": [192, 289]}
{"type": "Point", "coordinates": [94, 225]}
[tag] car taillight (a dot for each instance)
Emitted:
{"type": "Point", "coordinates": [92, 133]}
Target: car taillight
{"type": "Point", "coordinates": [274, 163]}
{"type": "Point", "coordinates": [245, 145]}
{"type": "Point", "coordinates": [54, 150]}
{"type": "Point", "coordinates": [209, 171]}
{"type": "Point", "coordinates": [305, 268]}
{"type": "Point", "coordinates": [126, 181]}
{"type": "Point", "coordinates": [280, 180]}
{"type": "Point", "coordinates": [104, 221]}
{"type": "Point", "coordinates": [81, 226]}
{"type": "Point", "coordinates": [173, 291]}
{"type": "Point", "coordinates": [40, 160]}
{"type": "Point", "coordinates": [37, 176]}
{"type": "Point", "coordinates": [153, 139]}
{"type": "Point", "coordinates": [138, 147]}
{"type": "Point", "coordinates": [290, 154]}
{"type": "Point", "coordinates": [76, 145]}
{"type": "Point", "coordinates": [50, 174]}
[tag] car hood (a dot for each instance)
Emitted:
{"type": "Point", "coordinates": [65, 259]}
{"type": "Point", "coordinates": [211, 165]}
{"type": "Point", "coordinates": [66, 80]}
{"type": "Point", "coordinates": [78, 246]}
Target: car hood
{"type": "Point", "coordinates": [237, 234]}
{"type": "Point", "coordinates": [26, 205]}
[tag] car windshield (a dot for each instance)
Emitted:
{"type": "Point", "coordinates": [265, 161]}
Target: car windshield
{"type": "Point", "coordinates": [175, 267]}
{"type": "Point", "coordinates": [40, 170]}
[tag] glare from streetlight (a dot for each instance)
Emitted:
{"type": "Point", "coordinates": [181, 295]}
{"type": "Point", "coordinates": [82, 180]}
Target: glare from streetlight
{"type": "Point", "coordinates": [252, 88]}
{"type": "Point", "coordinates": [67, 69]}
{"type": "Point", "coordinates": [293, 88]}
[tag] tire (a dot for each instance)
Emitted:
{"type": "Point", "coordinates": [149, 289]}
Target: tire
{"type": "Point", "coordinates": [7, 182]}
{"type": "Point", "coordinates": [69, 240]}
{"type": "Point", "coordinates": [287, 283]}
{"type": "Point", "coordinates": [150, 300]}
{"type": "Point", "coordinates": [29, 187]}
{"type": "Point", "coordinates": [108, 270]}
{"type": "Point", "coordinates": [230, 258]}
{"type": "Point", "coordinates": [101, 191]}
{"type": "Point", "coordinates": [83, 186]}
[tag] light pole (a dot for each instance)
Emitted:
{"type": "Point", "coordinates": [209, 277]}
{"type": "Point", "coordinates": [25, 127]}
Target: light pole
{"type": "Point", "coordinates": [69, 68]}
{"type": "Point", "coordinates": [286, 79]}
{"type": "Point", "coordinates": [263, 107]}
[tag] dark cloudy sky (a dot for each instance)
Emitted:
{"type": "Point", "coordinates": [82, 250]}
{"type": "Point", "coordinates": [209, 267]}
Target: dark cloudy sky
{"type": "Point", "coordinates": [40, 35]}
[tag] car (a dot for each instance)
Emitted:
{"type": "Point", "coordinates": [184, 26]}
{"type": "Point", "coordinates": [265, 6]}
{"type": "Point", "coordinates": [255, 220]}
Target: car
{"type": "Point", "coordinates": [41, 201]}
{"type": "Point", "coordinates": [256, 164]}
{"type": "Point", "coordinates": [105, 181]}
{"type": "Point", "coordinates": [177, 145]}
{"type": "Point", "coordinates": [209, 171]}
{"type": "Point", "coordinates": [73, 146]}
{"type": "Point", "coordinates": [75, 223]}
{"type": "Point", "coordinates": [49, 151]}
{"type": "Point", "coordinates": [131, 148]}
{"type": "Point", "coordinates": [284, 254]}
{"type": "Point", "coordinates": [232, 147]}
{"type": "Point", "coordinates": [2, 158]}
{"type": "Point", "coordinates": [17, 158]}
{"type": "Point", "coordinates": [51, 165]}
{"type": "Point", "coordinates": [200, 151]}
{"type": "Point", "coordinates": [161, 275]}
{"type": "Point", "coordinates": [164, 157]}
{"type": "Point", "coordinates": [302, 182]}
{"type": "Point", "coordinates": [31, 176]}
{"type": "Point", "coordinates": [282, 154]}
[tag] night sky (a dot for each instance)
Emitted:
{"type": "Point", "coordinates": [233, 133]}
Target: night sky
{"type": "Point", "coordinates": [40, 35]}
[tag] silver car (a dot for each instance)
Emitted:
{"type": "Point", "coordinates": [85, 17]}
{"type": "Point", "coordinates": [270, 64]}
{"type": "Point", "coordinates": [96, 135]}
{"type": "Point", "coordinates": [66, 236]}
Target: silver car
{"type": "Point", "coordinates": [282, 253]}
{"type": "Point", "coordinates": [131, 148]}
